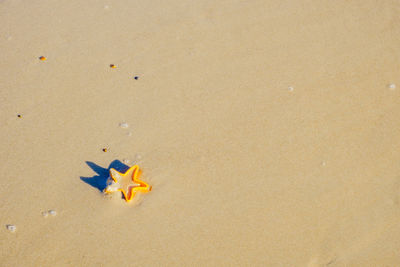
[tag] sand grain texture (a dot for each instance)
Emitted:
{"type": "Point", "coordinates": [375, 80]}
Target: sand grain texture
{"type": "Point", "coordinates": [244, 171]}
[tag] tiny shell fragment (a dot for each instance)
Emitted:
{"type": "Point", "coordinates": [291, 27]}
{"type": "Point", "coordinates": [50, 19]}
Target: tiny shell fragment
{"type": "Point", "coordinates": [52, 212]}
{"type": "Point", "coordinates": [12, 228]}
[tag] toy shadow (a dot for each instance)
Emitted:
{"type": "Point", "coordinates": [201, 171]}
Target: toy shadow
{"type": "Point", "coordinates": [99, 181]}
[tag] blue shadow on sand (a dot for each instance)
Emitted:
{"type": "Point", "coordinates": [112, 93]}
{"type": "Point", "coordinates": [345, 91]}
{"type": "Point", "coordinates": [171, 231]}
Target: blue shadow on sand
{"type": "Point", "coordinates": [99, 181]}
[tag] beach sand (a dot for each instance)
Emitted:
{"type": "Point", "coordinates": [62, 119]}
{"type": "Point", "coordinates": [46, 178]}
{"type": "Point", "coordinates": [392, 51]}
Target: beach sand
{"type": "Point", "coordinates": [269, 131]}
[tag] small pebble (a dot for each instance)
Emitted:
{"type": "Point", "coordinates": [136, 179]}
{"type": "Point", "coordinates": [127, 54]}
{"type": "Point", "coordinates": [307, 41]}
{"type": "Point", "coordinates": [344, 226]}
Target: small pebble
{"type": "Point", "coordinates": [52, 212]}
{"type": "Point", "coordinates": [45, 214]}
{"type": "Point", "coordinates": [19, 116]}
{"type": "Point", "coordinates": [105, 149]}
{"type": "Point", "coordinates": [124, 125]}
{"type": "Point", "coordinates": [126, 161]}
{"type": "Point", "coordinates": [112, 66]}
{"type": "Point", "coordinates": [11, 228]}
{"type": "Point", "coordinates": [42, 58]}
{"type": "Point", "coordinates": [392, 86]}
{"type": "Point", "coordinates": [290, 88]}
{"type": "Point", "coordinates": [136, 77]}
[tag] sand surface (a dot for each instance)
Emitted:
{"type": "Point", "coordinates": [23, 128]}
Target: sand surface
{"type": "Point", "coordinates": [268, 131]}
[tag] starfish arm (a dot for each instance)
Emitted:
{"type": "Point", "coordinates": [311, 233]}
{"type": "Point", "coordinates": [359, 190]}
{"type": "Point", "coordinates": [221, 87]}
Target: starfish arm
{"type": "Point", "coordinates": [115, 175]}
{"type": "Point", "coordinates": [143, 188]}
{"type": "Point", "coordinates": [111, 188]}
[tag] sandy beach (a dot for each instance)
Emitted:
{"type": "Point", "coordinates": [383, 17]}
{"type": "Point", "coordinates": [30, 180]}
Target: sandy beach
{"type": "Point", "coordinates": [268, 130]}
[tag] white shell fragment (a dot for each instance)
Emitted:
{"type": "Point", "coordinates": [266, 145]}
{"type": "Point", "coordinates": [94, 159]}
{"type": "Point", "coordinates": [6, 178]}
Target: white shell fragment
{"type": "Point", "coordinates": [52, 212]}
{"type": "Point", "coordinates": [12, 228]}
{"type": "Point", "coordinates": [392, 86]}
{"type": "Point", "coordinates": [124, 125]}
{"type": "Point", "coordinates": [290, 88]}
{"type": "Point", "coordinates": [112, 186]}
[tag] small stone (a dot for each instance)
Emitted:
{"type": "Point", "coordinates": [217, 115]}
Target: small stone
{"type": "Point", "coordinates": [290, 88]}
{"type": "Point", "coordinates": [136, 77]}
{"type": "Point", "coordinates": [105, 149]}
{"type": "Point", "coordinates": [19, 116]}
{"type": "Point", "coordinates": [112, 66]}
{"type": "Point", "coordinates": [12, 228]}
{"type": "Point", "coordinates": [42, 58]}
{"type": "Point", "coordinates": [126, 161]}
{"type": "Point", "coordinates": [392, 86]}
{"type": "Point", "coordinates": [52, 212]}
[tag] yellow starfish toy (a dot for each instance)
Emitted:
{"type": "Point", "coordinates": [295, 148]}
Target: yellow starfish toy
{"type": "Point", "coordinates": [128, 183]}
